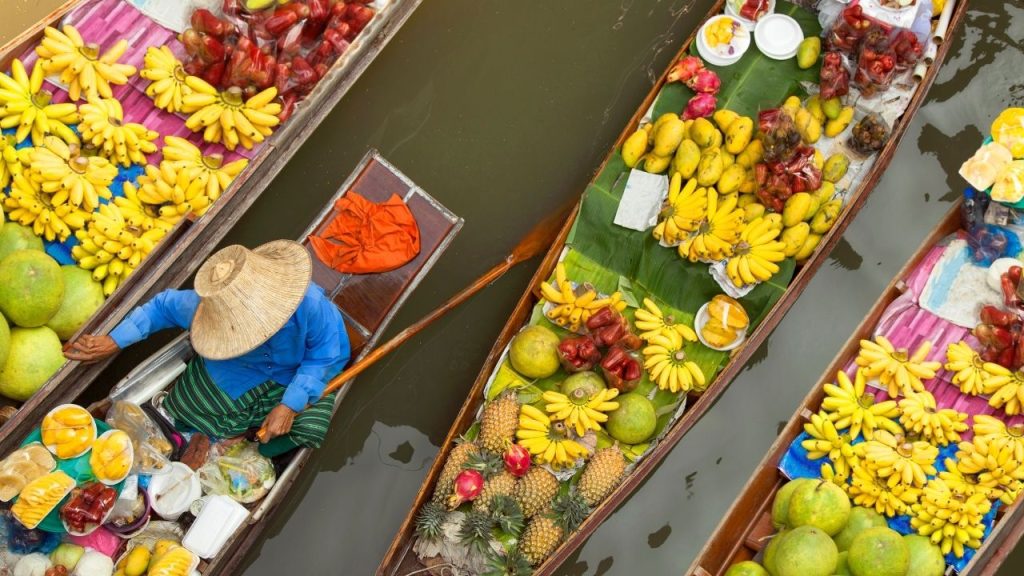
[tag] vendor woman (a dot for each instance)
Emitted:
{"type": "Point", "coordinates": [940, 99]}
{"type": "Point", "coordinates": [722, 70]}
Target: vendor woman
{"type": "Point", "coordinates": [266, 341]}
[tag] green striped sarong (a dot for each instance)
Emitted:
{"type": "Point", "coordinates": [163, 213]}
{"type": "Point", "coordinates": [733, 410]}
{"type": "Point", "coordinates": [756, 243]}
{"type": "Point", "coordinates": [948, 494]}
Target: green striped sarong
{"type": "Point", "coordinates": [196, 401]}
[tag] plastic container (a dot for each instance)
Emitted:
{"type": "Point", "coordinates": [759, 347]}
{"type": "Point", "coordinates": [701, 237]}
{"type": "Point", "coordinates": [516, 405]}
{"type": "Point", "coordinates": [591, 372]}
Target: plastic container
{"type": "Point", "coordinates": [90, 527]}
{"type": "Point", "coordinates": [778, 36]}
{"type": "Point", "coordinates": [47, 427]}
{"type": "Point", "coordinates": [702, 318]}
{"type": "Point", "coordinates": [218, 519]}
{"type": "Point", "coordinates": [131, 457]}
{"type": "Point", "coordinates": [732, 10]}
{"type": "Point", "coordinates": [171, 494]}
{"type": "Point", "coordinates": [139, 524]}
{"type": "Point", "coordinates": [720, 55]}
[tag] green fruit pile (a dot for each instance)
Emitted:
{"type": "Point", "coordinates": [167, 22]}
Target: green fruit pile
{"type": "Point", "coordinates": [821, 534]}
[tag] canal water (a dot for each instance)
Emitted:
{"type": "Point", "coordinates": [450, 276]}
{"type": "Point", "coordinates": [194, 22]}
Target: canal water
{"type": "Point", "coordinates": [502, 111]}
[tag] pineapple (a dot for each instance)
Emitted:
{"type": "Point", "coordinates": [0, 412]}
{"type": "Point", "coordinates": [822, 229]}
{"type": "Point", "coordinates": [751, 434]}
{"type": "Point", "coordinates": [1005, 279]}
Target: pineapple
{"type": "Point", "coordinates": [511, 564]}
{"type": "Point", "coordinates": [602, 474]}
{"type": "Point", "coordinates": [500, 484]}
{"type": "Point", "coordinates": [507, 514]}
{"type": "Point", "coordinates": [430, 521]}
{"type": "Point", "coordinates": [456, 461]}
{"type": "Point", "coordinates": [499, 423]}
{"type": "Point", "coordinates": [476, 531]}
{"type": "Point", "coordinates": [545, 531]}
{"type": "Point", "coordinates": [535, 490]}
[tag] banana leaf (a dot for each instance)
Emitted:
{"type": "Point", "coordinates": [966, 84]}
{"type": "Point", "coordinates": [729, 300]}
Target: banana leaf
{"type": "Point", "coordinates": [755, 82]}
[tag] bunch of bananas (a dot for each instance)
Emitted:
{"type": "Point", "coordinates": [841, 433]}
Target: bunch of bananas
{"type": "Point", "coordinates": [61, 169]}
{"type": "Point", "coordinates": [755, 258]}
{"type": "Point", "coordinates": [824, 441]}
{"type": "Point", "coordinates": [171, 191]}
{"type": "Point", "coordinates": [685, 210]}
{"type": "Point", "coordinates": [1004, 387]}
{"type": "Point", "coordinates": [226, 117]}
{"type": "Point", "coordinates": [48, 217]}
{"type": "Point", "coordinates": [112, 248]}
{"type": "Point", "coordinates": [717, 233]}
{"type": "Point", "coordinates": [652, 321]}
{"type": "Point", "coordinates": [572, 310]}
{"type": "Point", "coordinates": [900, 461]}
{"type": "Point", "coordinates": [919, 415]}
{"type": "Point", "coordinates": [26, 106]}
{"type": "Point", "coordinates": [140, 215]}
{"type": "Point", "coordinates": [727, 321]}
{"type": "Point", "coordinates": [11, 160]}
{"type": "Point", "coordinates": [166, 75]}
{"type": "Point", "coordinates": [953, 521]}
{"type": "Point", "coordinates": [579, 411]}
{"type": "Point", "coordinates": [967, 483]}
{"type": "Point", "coordinates": [81, 66]}
{"type": "Point", "coordinates": [992, 459]}
{"type": "Point", "coordinates": [547, 441]}
{"type": "Point", "coordinates": [848, 405]}
{"type": "Point", "coordinates": [868, 490]}
{"type": "Point", "coordinates": [211, 170]}
{"type": "Point", "coordinates": [122, 143]}
{"type": "Point", "coordinates": [898, 370]}
{"type": "Point", "coordinates": [994, 428]}
{"type": "Point", "coordinates": [669, 366]}
{"type": "Point", "coordinates": [968, 368]}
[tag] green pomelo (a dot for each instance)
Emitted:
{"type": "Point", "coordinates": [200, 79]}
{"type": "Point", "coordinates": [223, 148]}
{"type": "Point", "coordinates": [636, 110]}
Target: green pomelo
{"type": "Point", "coordinates": [534, 352]}
{"type": "Point", "coordinates": [780, 507]}
{"type": "Point", "coordinates": [5, 340]}
{"type": "Point", "coordinates": [747, 568]}
{"type": "Point", "coordinates": [821, 504]}
{"type": "Point", "coordinates": [878, 552]}
{"type": "Point", "coordinates": [925, 558]}
{"type": "Point", "coordinates": [14, 237]}
{"type": "Point", "coordinates": [860, 520]}
{"type": "Point", "coordinates": [35, 355]}
{"type": "Point", "coordinates": [633, 421]}
{"type": "Point", "coordinates": [806, 551]}
{"type": "Point", "coordinates": [83, 296]}
{"type": "Point", "coordinates": [587, 383]}
{"type": "Point", "coordinates": [31, 288]}
{"type": "Point", "coordinates": [768, 561]}
{"type": "Point", "coordinates": [842, 565]}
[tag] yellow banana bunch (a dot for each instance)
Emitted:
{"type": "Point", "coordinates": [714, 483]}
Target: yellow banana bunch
{"type": "Point", "coordinates": [653, 321]}
{"type": "Point", "coordinates": [993, 428]}
{"type": "Point", "coordinates": [685, 210]}
{"type": "Point", "coordinates": [899, 461]}
{"type": "Point", "coordinates": [1005, 388]}
{"type": "Point", "coordinates": [868, 490]}
{"type": "Point", "coordinates": [226, 117]}
{"type": "Point", "coordinates": [952, 521]}
{"type": "Point", "coordinates": [140, 215]}
{"type": "Point", "coordinates": [824, 441]}
{"type": "Point", "coordinates": [62, 170]}
{"type": "Point", "coordinates": [898, 370]}
{"type": "Point", "coordinates": [210, 169]}
{"type": "Point", "coordinates": [172, 192]}
{"type": "Point", "coordinates": [669, 366]}
{"type": "Point", "coordinates": [547, 441]}
{"type": "Point", "coordinates": [112, 248]}
{"type": "Point", "coordinates": [10, 160]}
{"type": "Point", "coordinates": [992, 460]}
{"type": "Point", "coordinates": [166, 75]}
{"type": "Point", "coordinates": [756, 256]}
{"type": "Point", "coordinates": [122, 143]}
{"type": "Point", "coordinates": [920, 416]}
{"type": "Point", "coordinates": [81, 66]}
{"type": "Point", "coordinates": [26, 106]}
{"type": "Point", "coordinates": [721, 229]}
{"type": "Point", "coordinates": [848, 405]}
{"type": "Point", "coordinates": [968, 368]}
{"type": "Point", "coordinates": [28, 205]}
{"type": "Point", "coordinates": [967, 484]}
{"type": "Point", "coordinates": [572, 310]}
{"type": "Point", "coordinates": [579, 411]}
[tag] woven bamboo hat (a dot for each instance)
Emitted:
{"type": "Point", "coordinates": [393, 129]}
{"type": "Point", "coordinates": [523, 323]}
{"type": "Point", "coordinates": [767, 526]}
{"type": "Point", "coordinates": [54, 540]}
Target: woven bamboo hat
{"type": "Point", "coordinates": [246, 296]}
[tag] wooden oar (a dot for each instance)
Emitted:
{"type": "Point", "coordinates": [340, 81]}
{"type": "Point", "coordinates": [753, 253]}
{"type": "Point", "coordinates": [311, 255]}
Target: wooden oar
{"type": "Point", "coordinates": [536, 240]}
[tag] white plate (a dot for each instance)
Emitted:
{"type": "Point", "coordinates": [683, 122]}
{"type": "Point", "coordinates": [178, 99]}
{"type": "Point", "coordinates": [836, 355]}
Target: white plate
{"type": "Point", "coordinates": [720, 56]}
{"type": "Point", "coordinates": [748, 24]}
{"type": "Point", "coordinates": [702, 319]}
{"type": "Point", "coordinates": [778, 36]}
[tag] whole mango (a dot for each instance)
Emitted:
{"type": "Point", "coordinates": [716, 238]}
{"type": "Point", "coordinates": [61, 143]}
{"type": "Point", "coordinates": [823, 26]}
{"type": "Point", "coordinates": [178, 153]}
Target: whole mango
{"type": "Point", "coordinates": [794, 238]}
{"type": "Point", "coordinates": [791, 105]}
{"type": "Point", "coordinates": [826, 217]}
{"type": "Point", "coordinates": [797, 207]}
{"type": "Point", "coordinates": [807, 52]}
{"type": "Point", "coordinates": [667, 116]}
{"type": "Point", "coordinates": [702, 132]}
{"type": "Point", "coordinates": [807, 249]}
{"type": "Point", "coordinates": [710, 167]}
{"type": "Point", "coordinates": [832, 107]}
{"type": "Point", "coordinates": [835, 167]}
{"type": "Point", "coordinates": [752, 154]}
{"type": "Point", "coordinates": [808, 126]}
{"type": "Point", "coordinates": [814, 106]}
{"type": "Point", "coordinates": [835, 127]}
{"type": "Point", "coordinates": [634, 148]}
{"type": "Point", "coordinates": [686, 159]}
{"type": "Point", "coordinates": [668, 136]}
{"type": "Point", "coordinates": [753, 210]}
{"type": "Point", "coordinates": [731, 179]}
{"type": "Point", "coordinates": [724, 118]}
{"type": "Point", "coordinates": [655, 164]}
{"type": "Point", "coordinates": [738, 136]}
{"type": "Point", "coordinates": [746, 198]}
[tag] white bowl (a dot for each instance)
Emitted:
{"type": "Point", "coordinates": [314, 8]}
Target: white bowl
{"type": "Point", "coordinates": [748, 24]}
{"type": "Point", "coordinates": [778, 36]}
{"type": "Point", "coordinates": [702, 318]}
{"type": "Point", "coordinates": [131, 460]}
{"type": "Point", "coordinates": [720, 56]}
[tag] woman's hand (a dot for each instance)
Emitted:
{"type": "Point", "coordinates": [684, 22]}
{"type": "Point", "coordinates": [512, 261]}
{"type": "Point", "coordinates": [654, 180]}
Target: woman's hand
{"type": "Point", "coordinates": [278, 423]}
{"type": "Point", "coordinates": [90, 348]}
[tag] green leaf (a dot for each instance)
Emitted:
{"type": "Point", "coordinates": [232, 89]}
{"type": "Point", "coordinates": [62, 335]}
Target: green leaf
{"type": "Point", "coordinates": [626, 289]}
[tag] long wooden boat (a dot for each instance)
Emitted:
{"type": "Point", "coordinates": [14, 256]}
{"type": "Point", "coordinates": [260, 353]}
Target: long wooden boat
{"type": "Point", "coordinates": [401, 560]}
{"type": "Point", "coordinates": [178, 255]}
{"type": "Point", "coordinates": [368, 303]}
{"type": "Point", "coordinates": [747, 526]}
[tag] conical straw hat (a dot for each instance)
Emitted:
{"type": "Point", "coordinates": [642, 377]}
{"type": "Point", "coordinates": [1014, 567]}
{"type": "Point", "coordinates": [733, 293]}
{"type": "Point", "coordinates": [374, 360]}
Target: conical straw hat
{"type": "Point", "coordinates": [246, 296]}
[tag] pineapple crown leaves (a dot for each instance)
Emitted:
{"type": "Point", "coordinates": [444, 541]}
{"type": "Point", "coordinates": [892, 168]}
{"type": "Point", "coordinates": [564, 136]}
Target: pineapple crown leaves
{"type": "Point", "coordinates": [507, 514]}
{"type": "Point", "coordinates": [569, 510]}
{"type": "Point", "coordinates": [476, 530]}
{"type": "Point", "coordinates": [430, 521]}
{"type": "Point", "coordinates": [513, 563]}
{"type": "Point", "coordinates": [485, 462]}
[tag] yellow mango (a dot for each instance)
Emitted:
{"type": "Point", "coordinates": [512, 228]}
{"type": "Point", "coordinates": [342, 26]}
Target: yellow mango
{"type": "Point", "coordinates": [794, 238]}
{"type": "Point", "coordinates": [807, 126]}
{"type": "Point", "coordinates": [753, 210]}
{"type": "Point", "coordinates": [702, 132]}
{"type": "Point", "coordinates": [819, 159]}
{"type": "Point", "coordinates": [634, 148]}
{"type": "Point", "coordinates": [724, 118]}
{"type": "Point", "coordinates": [826, 218]}
{"type": "Point", "coordinates": [657, 124]}
{"type": "Point", "coordinates": [749, 185]}
{"type": "Point", "coordinates": [791, 105]}
{"type": "Point", "coordinates": [737, 138]}
{"type": "Point", "coordinates": [668, 136]}
{"type": "Point", "coordinates": [752, 154]}
{"type": "Point", "coordinates": [686, 158]}
{"type": "Point", "coordinates": [826, 192]}
{"type": "Point", "coordinates": [710, 168]}
{"type": "Point", "coordinates": [656, 164]}
{"type": "Point", "coordinates": [814, 106]}
{"type": "Point", "coordinates": [716, 140]}
{"type": "Point", "coordinates": [835, 127]}
{"type": "Point", "coordinates": [807, 249]}
{"type": "Point", "coordinates": [745, 199]}
{"type": "Point", "coordinates": [731, 179]}
{"type": "Point", "coordinates": [835, 167]}
{"type": "Point", "coordinates": [796, 209]}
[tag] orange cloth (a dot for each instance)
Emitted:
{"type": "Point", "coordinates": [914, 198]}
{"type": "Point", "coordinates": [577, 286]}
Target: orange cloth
{"type": "Point", "coordinates": [365, 237]}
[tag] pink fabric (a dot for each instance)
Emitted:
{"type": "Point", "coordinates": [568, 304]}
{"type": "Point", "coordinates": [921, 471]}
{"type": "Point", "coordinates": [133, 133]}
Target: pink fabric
{"type": "Point", "coordinates": [102, 540]}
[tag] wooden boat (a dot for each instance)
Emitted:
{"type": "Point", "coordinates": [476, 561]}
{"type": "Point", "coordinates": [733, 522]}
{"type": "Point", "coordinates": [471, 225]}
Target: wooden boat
{"type": "Point", "coordinates": [368, 303]}
{"type": "Point", "coordinates": [744, 530]}
{"type": "Point", "coordinates": [400, 560]}
{"type": "Point", "coordinates": [180, 253]}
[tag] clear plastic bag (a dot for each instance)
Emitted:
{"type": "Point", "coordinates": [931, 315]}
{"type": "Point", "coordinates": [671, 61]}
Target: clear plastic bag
{"type": "Point", "coordinates": [239, 471]}
{"type": "Point", "coordinates": [151, 448]}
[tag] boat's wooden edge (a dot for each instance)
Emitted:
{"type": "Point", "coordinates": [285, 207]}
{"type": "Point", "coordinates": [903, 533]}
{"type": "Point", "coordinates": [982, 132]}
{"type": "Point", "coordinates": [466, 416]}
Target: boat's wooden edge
{"type": "Point", "coordinates": [400, 546]}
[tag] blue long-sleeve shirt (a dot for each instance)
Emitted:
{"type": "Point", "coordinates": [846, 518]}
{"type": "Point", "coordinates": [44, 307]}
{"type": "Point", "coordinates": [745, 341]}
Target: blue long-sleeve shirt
{"type": "Point", "coordinates": [311, 347]}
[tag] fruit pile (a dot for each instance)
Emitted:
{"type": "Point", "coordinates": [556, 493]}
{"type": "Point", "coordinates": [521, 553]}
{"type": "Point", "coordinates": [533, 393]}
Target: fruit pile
{"type": "Point", "coordinates": [87, 507]}
{"type": "Point", "coordinates": [146, 557]}
{"type": "Point", "coordinates": [21, 468]}
{"type": "Point", "coordinates": [68, 431]}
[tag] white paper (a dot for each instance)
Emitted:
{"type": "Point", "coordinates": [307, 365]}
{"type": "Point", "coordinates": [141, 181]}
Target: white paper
{"type": "Point", "coordinates": [641, 201]}
{"type": "Point", "coordinates": [730, 289]}
{"type": "Point", "coordinates": [174, 14]}
{"type": "Point", "coordinates": [957, 289]}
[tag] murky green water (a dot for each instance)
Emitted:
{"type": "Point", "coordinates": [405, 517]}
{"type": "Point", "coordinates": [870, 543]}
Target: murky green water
{"type": "Point", "coordinates": [502, 110]}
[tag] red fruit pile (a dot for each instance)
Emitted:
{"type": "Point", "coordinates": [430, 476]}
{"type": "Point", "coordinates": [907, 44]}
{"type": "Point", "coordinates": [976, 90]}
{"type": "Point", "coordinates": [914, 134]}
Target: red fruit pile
{"type": "Point", "coordinates": [88, 507]}
{"type": "Point", "coordinates": [1000, 330]}
{"type": "Point", "coordinates": [777, 181]}
{"type": "Point", "coordinates": [609, 330]}
{"type": "Point", "coordinates": [701, 80]}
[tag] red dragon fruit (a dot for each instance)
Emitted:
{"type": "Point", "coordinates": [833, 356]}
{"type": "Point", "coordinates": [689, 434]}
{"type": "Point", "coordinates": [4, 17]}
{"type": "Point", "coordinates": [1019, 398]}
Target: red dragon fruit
{"type": "Point", "coordinates": [685, 69]}
{"type": "Point", "coordinates": [705, 81]}
{"type": "Point", "coordinates": [517, 460]}
{"type": "Point", "coordinates": [468, 485]}
{"type": "Point", "coordinates": [700, 106]}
